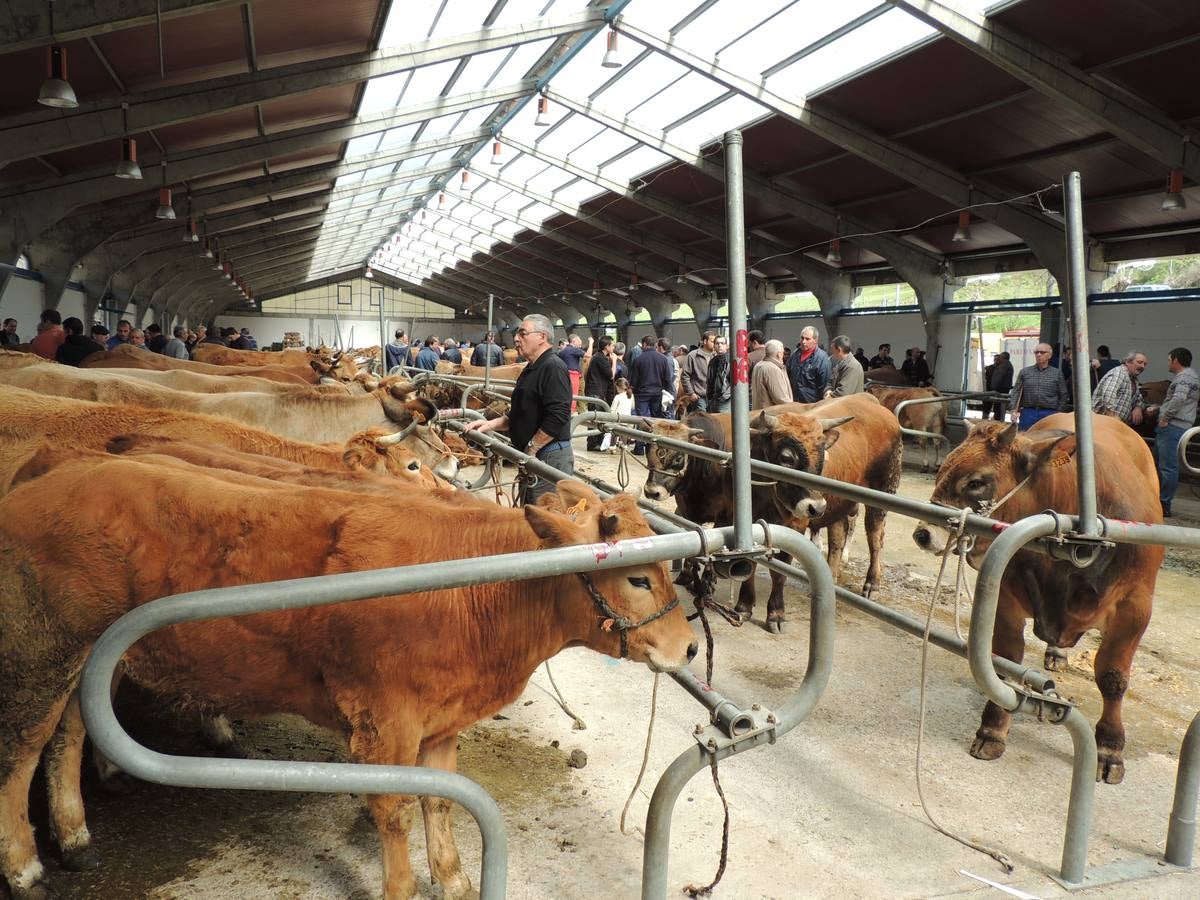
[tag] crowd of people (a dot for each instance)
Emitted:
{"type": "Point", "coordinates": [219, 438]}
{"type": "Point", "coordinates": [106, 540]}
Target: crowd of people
{"type": "Point", "coordinates": [69, 341]}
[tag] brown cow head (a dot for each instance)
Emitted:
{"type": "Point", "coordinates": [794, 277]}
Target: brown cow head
{"type": "Point", "coordinates": [799, 442]}
{"type": "Point", "coordinates": [633, 594]}
{"type": "Point", "coordinates": [414, 415]}
{"type": "Point", "coordinates": [372, 451]}
{"type": "Point", "coordinates": [984, 468]}
{"type": "Point", "coordinates": [339, 368]}
{"type": "Point", "coordinates": [666, 466]}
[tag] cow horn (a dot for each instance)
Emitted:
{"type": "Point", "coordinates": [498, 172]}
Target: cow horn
{"type": "Point", "coordinates": [390, 440]}
{"type": "Point", "coordinates": [1005, 438]}
{"type": "Point", "coordinates": [826, 424]}
{"type": "Point", "coordinates": [764, 421]}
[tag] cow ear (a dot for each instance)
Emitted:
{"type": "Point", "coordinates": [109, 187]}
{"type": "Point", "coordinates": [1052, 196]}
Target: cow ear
{"type": "Point", "coordinates": [574, 494]}
{"type": "Point", "coordinates": [1051, 449]}
{"type": "Point", "coordinates": [422, 408]}
{"type": "Point", "coordinates": [553, 528]}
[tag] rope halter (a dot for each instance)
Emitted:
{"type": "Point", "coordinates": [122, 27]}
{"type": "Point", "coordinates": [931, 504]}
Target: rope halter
{"type": "Point", "coordinates": [613, 619]}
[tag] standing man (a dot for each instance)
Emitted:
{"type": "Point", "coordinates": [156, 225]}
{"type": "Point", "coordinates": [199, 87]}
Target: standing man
{"type": "Point", "coordinates": [1105, 360]}
{"type": "Point", "coordinates": [175, 347]}
{"type": "Point", "coordinates": [451, 353]}
{"type": "Point", "coordinates": [668, 398]}
{"type": "Point", "coordinates": [756, 343]}
{"type": "Point", "coordinates": [155, 339]}
{"type": "Point", "coordinates": [573, 355]}
{"type": "Point", "coordinates": [882, 359]}
{"type": "Point", "coordinates": [693, 379]}
{"type": "Point", "coordinates": [124, 333]}
{"type": "Point", "coordinates": [8, 336]}
{"type": "Point", "coordinates": [430, 355]}
{"type": "Point", "coordinates": [1040, 390]}
{"type": "Point", "coordinates": [1117, 393]}
{"type": "Point", "coordinates": [598, 383]}
{"type": "Point", "coordinates": [649, 375]}
{"type": "Point", "coordinates": [487, 347]}
{"type": "Point", "coordinates": [846, 376]}
{"type": "Point", "coordinates": [78, 346]}
{"type": "Point", "coordinates": [50, 335]}
{"type": "Point", "coordinates": [1175, 416]}
{"type": "Point", "coordinates": [539, 417]}
{"type": "Point", "coordinates": [396, 352]}
{"type": "Point", "coordinates": [809, 368]}
{"type": "Point", "coordinates": [1000, 382]}
{"type": "Point", "coordinates": [719, 392]}
{"type": "Point", "coordinates": [769, 383]}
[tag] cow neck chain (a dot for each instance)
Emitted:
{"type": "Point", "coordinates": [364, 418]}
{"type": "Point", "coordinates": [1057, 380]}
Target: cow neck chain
{"type": "Point", "coordinates": [613, 619]}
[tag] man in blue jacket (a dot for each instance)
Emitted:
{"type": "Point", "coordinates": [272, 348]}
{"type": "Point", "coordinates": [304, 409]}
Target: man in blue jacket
{"type": "Point", "coordinates": [430, 355]}
{"type": "Point", "coordinates": [649, 375]}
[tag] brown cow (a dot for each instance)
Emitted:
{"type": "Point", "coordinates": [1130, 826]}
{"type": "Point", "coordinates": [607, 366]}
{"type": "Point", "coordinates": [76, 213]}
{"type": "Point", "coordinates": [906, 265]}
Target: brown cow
{"type": "Point", "coordinates": [308, 416]}
{"type": "Point", "coordinates": [887, 375]}
{"type": "Point", "coordinates": [703, 490]}
{"type": "Point", "coordinates": [1114, 594]}
{"type": "Point", "coordinates": [30, 419]}
{"type": "Point", "coordinates": [399, 677]}
{"type": "Point", "coordinates": [126, 356]}
{"type": "Point", "coordinates": [929, 417]}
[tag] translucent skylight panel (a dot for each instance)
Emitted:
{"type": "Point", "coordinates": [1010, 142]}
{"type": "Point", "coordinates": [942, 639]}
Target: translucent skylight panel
{"type": "Point", "coordinates": [481, 69]}
{"type": "Point", "coordinates": [794, 28]}
{"type": "Point", "coordinates": [413, 164]}
{"type": "Point", "coordinates": [659, 15]}
{"type": "Point", "coordinates": [578, 193]}
{"type": "Point", "coordinates": [689, 93]}
{"type": "Point", "coordinates": [641, 160]}
{"type": "Point", "coordinates": [460, 16]}
{"type": "Point", "coordinates": [383, 92]}
{"type": "Point", "coordinates": [723, 21]}
{"type": "Point", "coordinates": [604, 146]}
{"type": "Point", "coordinates": [338, 204]}
{"type": "Point", "coordinates": [861, 47]}
{"type": "Point", "coordinates": [538, 212]}
{"type": "Point", "coordinates": [488, 193]}
{"type": "Point", "coordinates": [651, 76]}
{"type": "Point", "coordinates": [506, 229]}
{"type": "Point", "coordinates": [524, 58]}
{"type": "Point", "coordinates": [570, 134]}
{"type": "Point", "coordinates": [408, 22]}
{"type": "Point", "coordinates": [377, 172]}
{"type": "Point", "coordinates": [427, 83]}
{"type": "Point", "coordinates": [362, 145]}
{"type": "Point", "coordinates": [583, 73]}
{"type": "Point", "coordinates": [734, 112]}
{"type": "Point", "coordinates": [522, 168]}
{"type": "Point", "coordinates": [517, 11]}
{"type": "Point", "coordinates": [395, 138]}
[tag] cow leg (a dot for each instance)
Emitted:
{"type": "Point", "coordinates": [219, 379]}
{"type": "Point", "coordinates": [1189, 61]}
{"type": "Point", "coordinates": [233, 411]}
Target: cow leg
{"type": "Point", "coordinates": [836, 535]}
{"type": "Point", "coordinates": [1008, 641]}
{"type": "Point", "coordinates": [24, 731]}
{"type": "Point", "coordinates": [64, 763]}
{"type": "Point", "coordinates": [388, 743]}
{"type": "Point", "coordinates": [875, 521]}
{"type": "Point", "coordinates": [1055, 660]}
{"type": "Point", "coordinates": [925, 448]}
{"type": "Point", "coordinates": [747, 595]}
{"type": "Point", "coordinates": [1114, 660]}
{"type": "Point", "coordinates": [112, 779]}
{"type": "Point", "coordinates": [775, 602]}
{"type": "Point", "coordinates": [444, 862]}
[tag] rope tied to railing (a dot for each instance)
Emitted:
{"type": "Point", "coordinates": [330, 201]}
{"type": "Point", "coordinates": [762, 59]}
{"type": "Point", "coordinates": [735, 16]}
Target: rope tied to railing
{"type": "Point", "coordinates": [960, 543]}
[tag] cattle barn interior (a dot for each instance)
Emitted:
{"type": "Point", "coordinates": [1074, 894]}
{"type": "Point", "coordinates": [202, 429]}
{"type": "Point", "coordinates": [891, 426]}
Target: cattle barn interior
{"type": "Point", "coordinates": [328, 173]}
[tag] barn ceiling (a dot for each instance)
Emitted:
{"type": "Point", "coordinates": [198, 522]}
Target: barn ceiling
{"type": "Point", "coordinates": [461, 147]}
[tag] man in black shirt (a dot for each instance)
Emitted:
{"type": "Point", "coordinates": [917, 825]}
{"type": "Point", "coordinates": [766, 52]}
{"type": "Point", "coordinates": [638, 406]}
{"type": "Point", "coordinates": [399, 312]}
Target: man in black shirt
{"type": "Point", "coordinates": [78, 346]}
{"type": "Point", "coordinates": [539, 418]}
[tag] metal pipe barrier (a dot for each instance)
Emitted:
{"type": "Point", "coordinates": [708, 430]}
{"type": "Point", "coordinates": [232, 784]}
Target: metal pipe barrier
{"type": "Point", "coordinates": [1181, 830]}
{"type": "Point", "coordinates": [1184, 465]}
{"type": "Point", "coordinates": [1056, 710]}
{"type": "Point", "coordinates": [1085, 449]}
{"type": "Point", "coordinates": [916, 432]}
{"type": "Point", "coordinates": [246, 774]}
{"type": "Point", "coordinates": [739, 370]}
{"type": "Point", "coordinates": [765, 727]}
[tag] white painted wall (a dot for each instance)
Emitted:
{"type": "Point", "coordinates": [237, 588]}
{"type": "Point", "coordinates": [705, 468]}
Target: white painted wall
{"type": "Point", "coordinates": [22, 300]}
{"type": "Point", "coordinates": [269, 329]}
{"type": "Point", "coordinates": [1153, 328]}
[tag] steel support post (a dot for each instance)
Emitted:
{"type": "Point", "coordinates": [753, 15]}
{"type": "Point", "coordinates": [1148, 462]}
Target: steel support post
{"type": "Point", "coordinates": [1181, 832]}
{"type": "Point", "coordinates": [1085, 453]}
{"type": "Point", "coordinates": [735, 241]}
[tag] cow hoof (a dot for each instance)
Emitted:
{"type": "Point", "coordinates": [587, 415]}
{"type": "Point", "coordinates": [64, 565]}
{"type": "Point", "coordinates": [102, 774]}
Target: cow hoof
{"type": "Point", "coordinates": [868, 589]}
{"type": "Point", "coordinates": [684, 579]}
{"type": "Point", "coordinates": [458, 888]}
{"type": "Point", "coordinates": [1056, 660]}
{"type": "Point", "coordinates": [775, 626]}
{"type": "Point", "coordinates": [81, 859]}
{"type": "Point", "coordinates": [119, 784]}
{"type": "Point", "coordinates": [987, 748]}
{"type": "Point", "coordinates": [39, 890]}
{"type": "Point", "coordinates": [743, 614]}
{"type": "Point", "coordinates": [1110, 769]}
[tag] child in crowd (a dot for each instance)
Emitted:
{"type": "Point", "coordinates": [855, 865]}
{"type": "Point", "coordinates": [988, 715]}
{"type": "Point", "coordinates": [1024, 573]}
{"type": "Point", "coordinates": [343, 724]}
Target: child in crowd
{"type": "Point", "coordinates": [622, 404]}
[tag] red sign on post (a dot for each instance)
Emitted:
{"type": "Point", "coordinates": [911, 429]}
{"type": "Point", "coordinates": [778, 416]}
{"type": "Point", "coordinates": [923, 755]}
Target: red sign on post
{"type": "Point", "coordinates": [741, 362]}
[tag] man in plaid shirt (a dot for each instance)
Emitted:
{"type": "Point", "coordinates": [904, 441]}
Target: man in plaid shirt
{"type": "Point", "coordinates": [1117, 393]}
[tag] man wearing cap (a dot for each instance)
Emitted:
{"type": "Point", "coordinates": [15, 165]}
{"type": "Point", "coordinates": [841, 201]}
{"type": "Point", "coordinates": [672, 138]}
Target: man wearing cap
{"type": "Point", "coordinates": [1040, 390]}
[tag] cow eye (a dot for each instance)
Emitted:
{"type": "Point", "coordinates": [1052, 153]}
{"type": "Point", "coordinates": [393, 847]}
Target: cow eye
{"type": "Point", "coordinates": [788, 455]}
{"type": "Point", "coordinates": [976, 484]}
{"type": "Point", "coordinates": [414, 466]}
{"type": "Point", "coordinates": [640, 581]}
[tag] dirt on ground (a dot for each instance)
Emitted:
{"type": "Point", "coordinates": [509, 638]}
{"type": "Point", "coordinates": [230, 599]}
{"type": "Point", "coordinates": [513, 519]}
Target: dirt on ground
{"type": "Point", "coordinates": [831, 810]}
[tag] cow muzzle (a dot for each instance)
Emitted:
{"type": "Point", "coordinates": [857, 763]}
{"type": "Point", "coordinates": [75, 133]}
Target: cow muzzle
{"type": "Point", "coordinates": [655, 491]}
{"type": "Point", "coordinates": [809, 508]}
{"type": "Point", "coordinates": [931, 538]}
{"type": "Point", "coordinates": [447, 468]}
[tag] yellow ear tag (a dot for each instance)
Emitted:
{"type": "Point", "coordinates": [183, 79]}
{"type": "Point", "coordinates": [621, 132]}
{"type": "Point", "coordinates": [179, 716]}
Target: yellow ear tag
{"type": "Point", "coordinates": [579, 507]}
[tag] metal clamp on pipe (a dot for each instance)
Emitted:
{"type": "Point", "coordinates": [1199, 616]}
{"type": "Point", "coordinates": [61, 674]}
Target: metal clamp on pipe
{"type": "Point", "coordinates": [751, 727]}
{"type": "Point", "coordinates": [1069, 545]}
{"type": "Point", "coordinates": [737, 565]}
